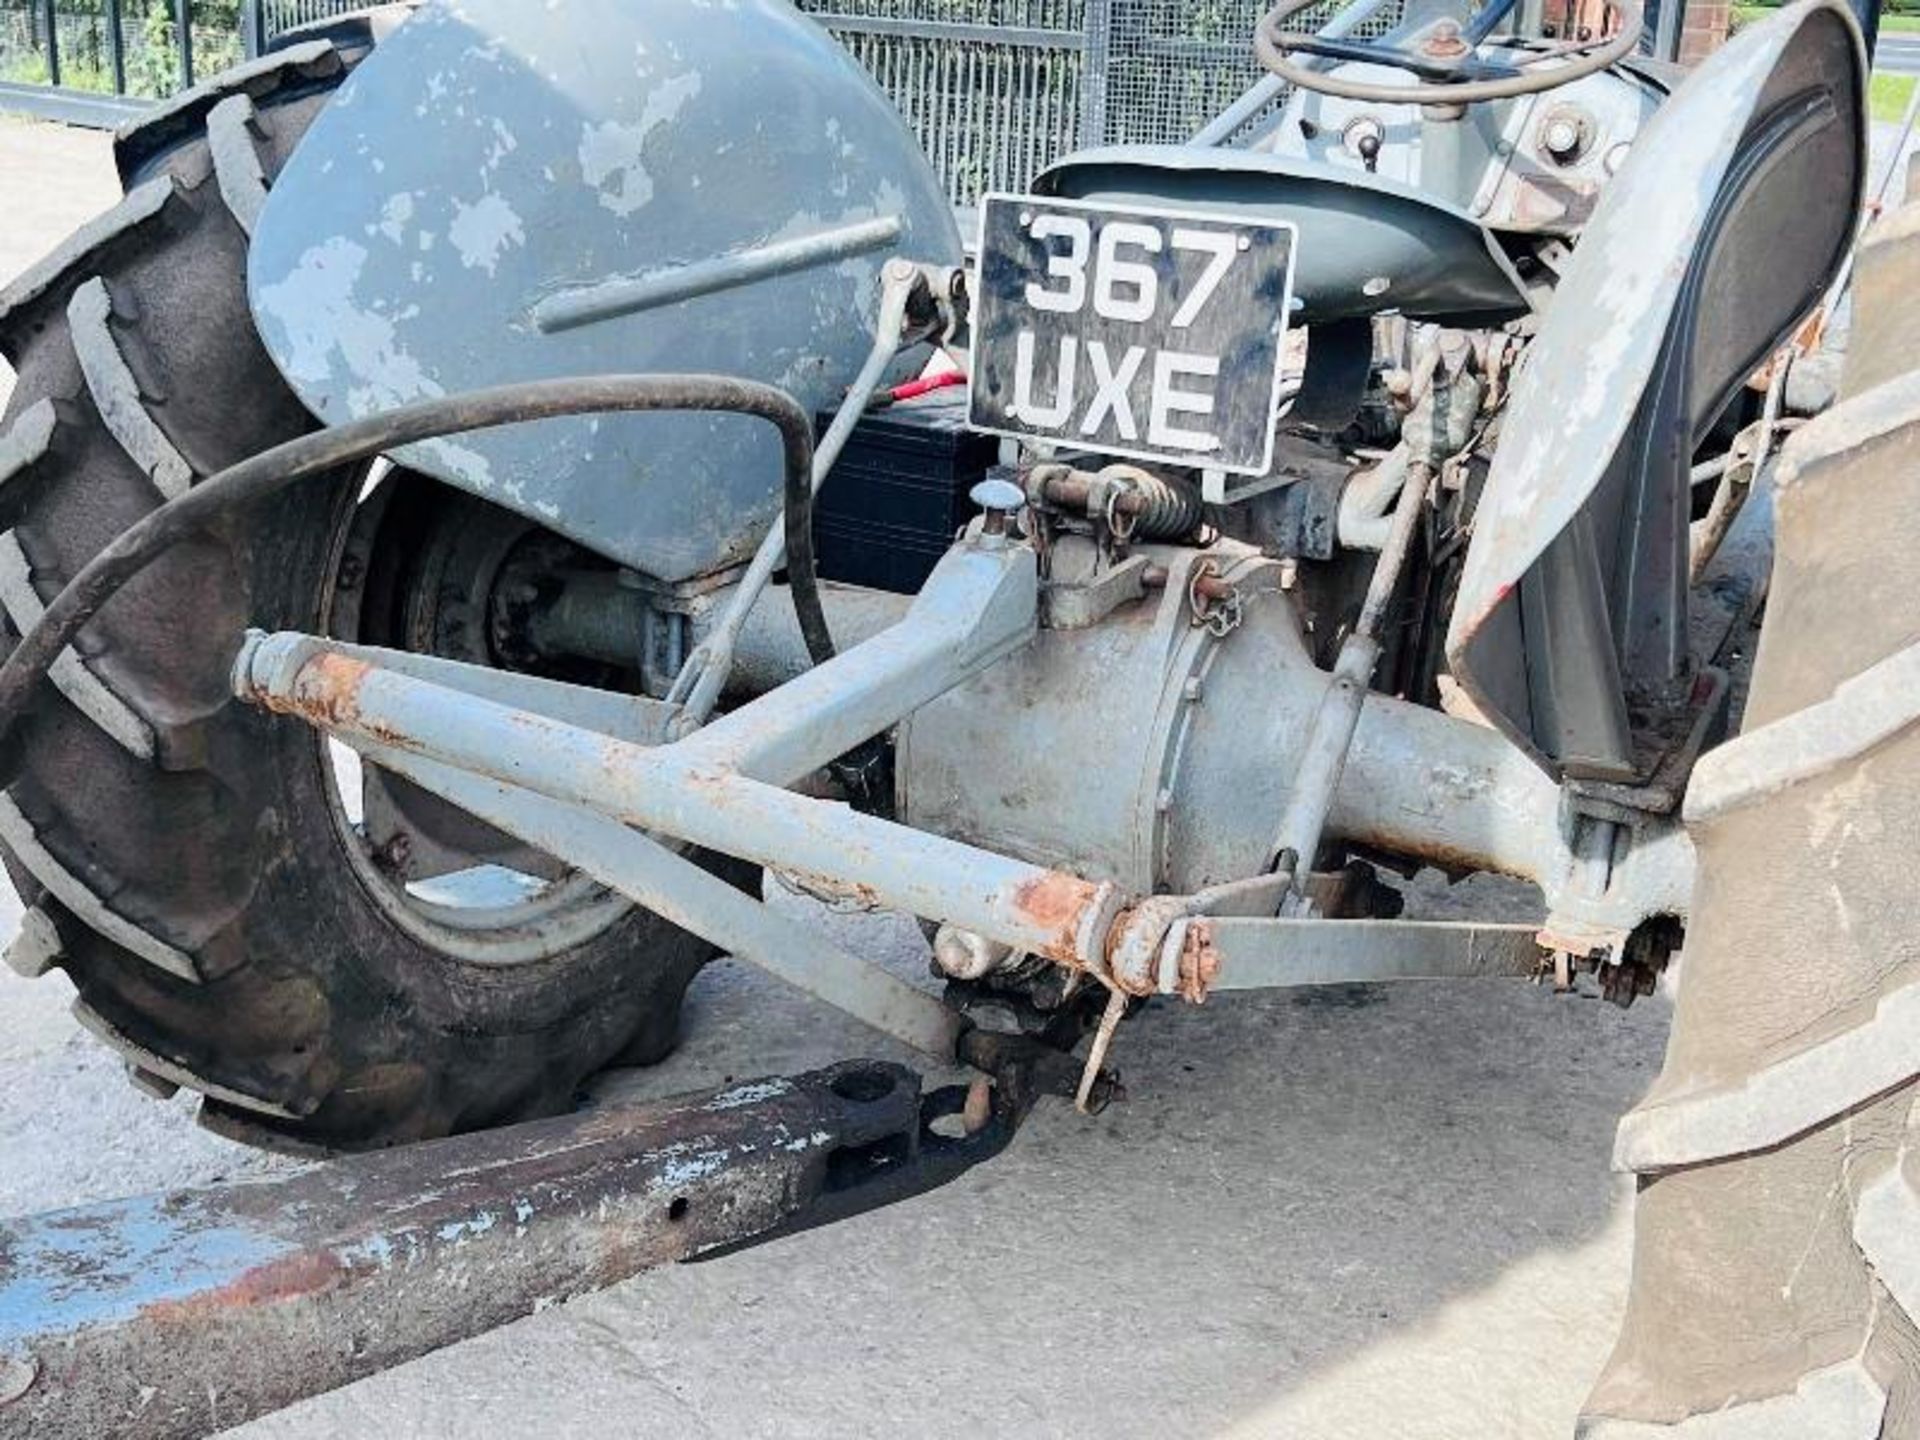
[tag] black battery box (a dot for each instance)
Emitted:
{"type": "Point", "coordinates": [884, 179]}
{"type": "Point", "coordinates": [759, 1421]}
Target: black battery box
{"type": "Point", "coordinates": [898, 496]}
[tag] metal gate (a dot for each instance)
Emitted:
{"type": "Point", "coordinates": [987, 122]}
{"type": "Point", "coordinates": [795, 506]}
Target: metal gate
{"type": "Point", "coordinates": [995, 89]}
{"type": "Point", "coordinates": [98, 62]}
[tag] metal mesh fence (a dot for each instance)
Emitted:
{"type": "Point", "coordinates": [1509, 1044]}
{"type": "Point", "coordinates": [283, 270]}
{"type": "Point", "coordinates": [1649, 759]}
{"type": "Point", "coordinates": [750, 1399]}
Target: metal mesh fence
{"type": "Point", "coordinates": [994, 89]}
{"type": "Point", "coordinates": [1172, 65]}
{"type": "Point", "coordinates": [280, 15]}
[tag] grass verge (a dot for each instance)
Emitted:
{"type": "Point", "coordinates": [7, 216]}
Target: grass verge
{"type": "Point", "coordinates": [1887, 95]}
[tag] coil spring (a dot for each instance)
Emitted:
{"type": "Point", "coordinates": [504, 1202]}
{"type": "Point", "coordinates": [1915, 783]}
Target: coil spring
{"type": "Point", "coordinates": [1170, 510]}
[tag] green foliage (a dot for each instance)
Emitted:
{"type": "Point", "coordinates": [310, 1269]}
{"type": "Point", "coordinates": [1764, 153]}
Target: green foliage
{"type": "Point", "coordinates": [155, 69]}
{"type": "Point", "coordinates": [1888, 95]}
{"type": "Point", "coordinates": [149, 35]}
{"type": "Point", "coordinates": [27, 69]}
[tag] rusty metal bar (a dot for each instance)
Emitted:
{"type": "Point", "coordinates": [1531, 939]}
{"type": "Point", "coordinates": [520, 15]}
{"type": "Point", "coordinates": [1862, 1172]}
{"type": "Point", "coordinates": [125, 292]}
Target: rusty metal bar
{"type": "Point", "coordinates": [1028, 907]}
{"type": "Point", "coordinates": [173, 1316]}
{"type": "Point", "coordinates": [1330, 738]}
{"type": "Point", "coordinates": [1324, 758]}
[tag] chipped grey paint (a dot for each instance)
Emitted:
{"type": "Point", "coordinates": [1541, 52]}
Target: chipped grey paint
{"type": "Point", "coordinates": [483, 161]}
{"type": "Point", "coordinates": [173, 1316]}
{"type": "Point", "coordinates": [1576, 434]}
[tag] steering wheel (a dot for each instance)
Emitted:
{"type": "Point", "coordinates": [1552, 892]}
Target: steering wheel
{"type": "Point", "coordinates": [1444, 56]}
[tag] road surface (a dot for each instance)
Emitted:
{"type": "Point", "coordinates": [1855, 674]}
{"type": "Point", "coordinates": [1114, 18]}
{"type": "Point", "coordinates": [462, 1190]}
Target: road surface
{"type": "Point", "coordinates": [1897, 53]}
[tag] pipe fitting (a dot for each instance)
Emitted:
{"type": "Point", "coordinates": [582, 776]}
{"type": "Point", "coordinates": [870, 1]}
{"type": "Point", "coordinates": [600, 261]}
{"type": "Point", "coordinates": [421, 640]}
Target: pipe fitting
{"type": "Point", "coordinates": [268, 665]}
{"type": "Point", "coordinates": [1133, 956]}
{"type": "Point", "coordinates": [967, 955]}
{"type": "Point", "coordinates": [1189, 960]}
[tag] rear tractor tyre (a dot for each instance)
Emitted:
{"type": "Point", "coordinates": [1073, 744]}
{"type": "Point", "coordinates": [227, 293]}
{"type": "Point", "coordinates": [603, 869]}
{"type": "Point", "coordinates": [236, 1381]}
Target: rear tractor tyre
{"type": "Point", "coordinates": [184, 858]}
{"type": "Point", "coordinates": [1776, 1274]}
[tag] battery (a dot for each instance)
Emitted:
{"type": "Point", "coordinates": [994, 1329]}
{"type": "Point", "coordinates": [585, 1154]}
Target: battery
{"type": "Point", "coordinates": [898, 494]}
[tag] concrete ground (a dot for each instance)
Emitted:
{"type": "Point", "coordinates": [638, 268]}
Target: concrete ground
{"type": "Point", "coordinates": [1348, 1212]}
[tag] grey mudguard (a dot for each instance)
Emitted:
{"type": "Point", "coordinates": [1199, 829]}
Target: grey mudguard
{"type": "Point", "coordinates": [1722, 230]}
{"type": "Point", "coordinates": [1356, 230]}
{"type": "Point", "coordinates": [498, 162]}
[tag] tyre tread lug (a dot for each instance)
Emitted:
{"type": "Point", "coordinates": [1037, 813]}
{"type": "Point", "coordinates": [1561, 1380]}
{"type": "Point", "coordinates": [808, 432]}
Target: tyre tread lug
{"type": "Point", "coordinates": [87, 691]}
{"type": "Point", "coordinates": [116, 393]}
{"type": "Point", "coordinates": [71, 891]}
{"type": "Point", "coordinates": [161, 1068]}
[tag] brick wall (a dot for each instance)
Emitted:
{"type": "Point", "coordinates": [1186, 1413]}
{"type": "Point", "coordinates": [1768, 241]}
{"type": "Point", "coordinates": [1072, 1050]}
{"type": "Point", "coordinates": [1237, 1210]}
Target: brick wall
{"type": "Point", "coordinates": [1703, 29]}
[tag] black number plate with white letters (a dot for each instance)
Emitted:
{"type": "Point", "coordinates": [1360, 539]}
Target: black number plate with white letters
{"type": "Point", "coordinates": [1139, 333]}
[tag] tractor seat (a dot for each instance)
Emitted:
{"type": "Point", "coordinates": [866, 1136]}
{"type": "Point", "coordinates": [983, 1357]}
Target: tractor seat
{"type": "Point", "coordinates": [1366, 244]}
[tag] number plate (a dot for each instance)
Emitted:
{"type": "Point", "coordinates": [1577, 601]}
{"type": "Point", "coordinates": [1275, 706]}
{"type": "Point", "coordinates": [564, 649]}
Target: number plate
{"type": "Point", "coordinates": [1149, 334]}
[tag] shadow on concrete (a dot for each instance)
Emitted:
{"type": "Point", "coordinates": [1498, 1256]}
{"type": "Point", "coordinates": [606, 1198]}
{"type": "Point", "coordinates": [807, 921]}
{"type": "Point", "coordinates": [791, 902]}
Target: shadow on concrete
{"type": "Point", "coordinates": [1357, 1212]}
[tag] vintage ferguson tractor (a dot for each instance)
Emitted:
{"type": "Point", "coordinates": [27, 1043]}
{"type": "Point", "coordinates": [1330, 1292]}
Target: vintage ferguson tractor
{"type": "Point", "coordinates": [473, 508]}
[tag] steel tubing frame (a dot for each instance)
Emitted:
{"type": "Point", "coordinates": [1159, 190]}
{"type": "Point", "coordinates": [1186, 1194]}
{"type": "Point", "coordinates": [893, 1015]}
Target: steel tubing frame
{"type": "Point", "coordinates": [586, 796]}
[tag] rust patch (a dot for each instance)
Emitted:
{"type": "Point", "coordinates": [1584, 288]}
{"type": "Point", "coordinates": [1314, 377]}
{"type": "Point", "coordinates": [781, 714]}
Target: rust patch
{"type": "Point", "coordinates": [1057, 903]}
{"type": "Point", "coordinates": [827, 887]}
{"type": "Point", "coordinates": [1199, 961]}
{"type": "Point", "coordinates": [296, 1277]}
{"type": "Point", "coordinates": [326, 691]}
{"type": "Point", "coordinates": [1134, 941]}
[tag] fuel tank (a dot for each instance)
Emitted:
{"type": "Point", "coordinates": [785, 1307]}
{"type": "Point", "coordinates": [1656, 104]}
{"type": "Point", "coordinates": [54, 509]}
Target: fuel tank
{"type": "Point", "coordinates": [510, 191]}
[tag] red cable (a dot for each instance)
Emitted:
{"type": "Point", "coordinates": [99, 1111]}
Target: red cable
{"type": "Point", "coordinates": [914, 389]}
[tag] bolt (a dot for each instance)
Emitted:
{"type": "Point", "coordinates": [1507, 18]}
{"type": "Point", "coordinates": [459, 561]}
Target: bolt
{"type": "Point", "coordinates": [1446, 42]}
{"type": "Point", "coordinates": [1562, 138]}
{"type": "Point", "coordinates": [1191, 690]}
{"type": "Point", "coordinates": [999, 499]}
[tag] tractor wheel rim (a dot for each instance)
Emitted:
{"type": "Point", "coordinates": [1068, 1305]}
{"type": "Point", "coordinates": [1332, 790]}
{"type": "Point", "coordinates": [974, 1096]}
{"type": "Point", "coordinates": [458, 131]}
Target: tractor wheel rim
{"type": "Point", "coordinates": [485, 913]}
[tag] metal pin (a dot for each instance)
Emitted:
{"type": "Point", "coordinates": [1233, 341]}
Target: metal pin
{"type": "Point", "coordinates": [1096, 1057]}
